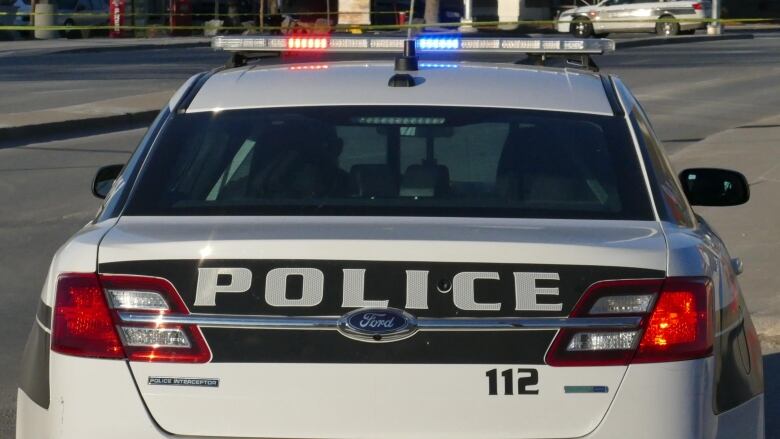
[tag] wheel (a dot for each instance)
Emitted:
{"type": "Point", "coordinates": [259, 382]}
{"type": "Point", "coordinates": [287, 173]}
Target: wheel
{"type": "Point", "coordinates": [581, 27]}
{"type": "Point", "coordinates": [667, 28]}
{"type": "Point", "coordinates": [69, 33]}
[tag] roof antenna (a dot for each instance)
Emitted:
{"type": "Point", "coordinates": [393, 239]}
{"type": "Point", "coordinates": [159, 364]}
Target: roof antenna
{"type": "Point", "coordinates": [411, 20]}
{"type": "Point", "coordinates": [408, 61]}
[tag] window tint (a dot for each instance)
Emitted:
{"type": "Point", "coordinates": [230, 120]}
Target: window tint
{"type": "Point", "coordinates": [394, 161]}
{"type": "Point", "coordinates": [670, 192]}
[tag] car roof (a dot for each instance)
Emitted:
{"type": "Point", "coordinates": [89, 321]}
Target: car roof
{"type": "Point", "coordinates": [492, 85]}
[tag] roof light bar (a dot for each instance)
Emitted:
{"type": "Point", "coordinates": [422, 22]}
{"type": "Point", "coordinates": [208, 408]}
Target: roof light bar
{"type": "Point", "coordinates": [424, 43]}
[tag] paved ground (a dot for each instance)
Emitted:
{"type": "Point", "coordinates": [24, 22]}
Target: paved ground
{"type": "Point", "coordinates": [673, 81]}
{"type": "Point", "coordinates": [692, 92]}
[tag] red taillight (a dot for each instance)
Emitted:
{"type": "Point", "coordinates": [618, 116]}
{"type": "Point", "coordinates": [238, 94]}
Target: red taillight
{"type": "Point", "coordinates": [82, 321]}
{"type": "Point", "coordinates": [311, 43]}
{"type": "Point", "coordinates": [680, 327]}
{"type": "Point", "coordinates": [697, 6]}
{"type": "Point", "coordinates": [675, 324]}
{"type": "Point", "coordinates": [88, 320]}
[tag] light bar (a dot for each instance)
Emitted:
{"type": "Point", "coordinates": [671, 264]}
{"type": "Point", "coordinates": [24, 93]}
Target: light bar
{"type": "Point", "coordinates": [399, 120]}
{"type": "Point", "coordinates": [424, 43]}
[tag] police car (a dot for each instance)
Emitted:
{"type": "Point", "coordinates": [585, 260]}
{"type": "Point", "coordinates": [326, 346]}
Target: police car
{"type": "Point", "coordinates": [666, 18]}
{"type": "Point", "coordinates": [397, 249]}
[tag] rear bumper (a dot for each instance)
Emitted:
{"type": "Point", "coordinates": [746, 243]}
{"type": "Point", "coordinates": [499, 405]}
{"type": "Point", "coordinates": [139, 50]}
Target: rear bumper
{"type": "Point", "coordinates": [97, 399]}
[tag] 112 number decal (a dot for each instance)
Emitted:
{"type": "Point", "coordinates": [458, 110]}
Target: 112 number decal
{"type": "Point", "coordinates": [525, 379]}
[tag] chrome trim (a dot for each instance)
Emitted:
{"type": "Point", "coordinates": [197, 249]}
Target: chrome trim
{"type": "Point", "coordinates": [423, 324]}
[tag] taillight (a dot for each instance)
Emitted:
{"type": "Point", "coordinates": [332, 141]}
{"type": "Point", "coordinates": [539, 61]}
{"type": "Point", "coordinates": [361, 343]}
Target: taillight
{"type": "Point", "coordinates": [680, 327]}
{"type": "Point", "coordinates": [104, 298]}
{"type": "Point", "coordinates": [697, 6]}
{"type": "Point", "coordinates": [673, 322]}
{"type": "Point", "coordinates": [82, 321]}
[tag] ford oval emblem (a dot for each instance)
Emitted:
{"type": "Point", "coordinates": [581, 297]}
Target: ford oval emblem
{"type": "Point", "coordinates": [378, 324]}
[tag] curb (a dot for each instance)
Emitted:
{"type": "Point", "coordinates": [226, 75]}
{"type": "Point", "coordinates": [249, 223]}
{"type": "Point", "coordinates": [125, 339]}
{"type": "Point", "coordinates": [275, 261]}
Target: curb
{"type": "Point", "coordinates": [660, 41]}
{"type": "Point", "coordinates": [67, 128]}
{"type": "Point", "coordinates": [123, 48]}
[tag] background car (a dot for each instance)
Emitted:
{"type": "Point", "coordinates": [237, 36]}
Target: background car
{"type": "Point", "coordinates": [635, 16]}
{"type": "Point", "coordinates": [78, 13]}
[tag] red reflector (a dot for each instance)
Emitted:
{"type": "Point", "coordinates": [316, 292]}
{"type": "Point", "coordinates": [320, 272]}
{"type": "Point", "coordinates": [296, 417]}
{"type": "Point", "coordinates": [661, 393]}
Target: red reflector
{"type": "Point", "coordinates": [680, 327]}
{"type": "Point", "coordinates": [697, 6]}
{"type": "Point", "coordinates": [82, 320]}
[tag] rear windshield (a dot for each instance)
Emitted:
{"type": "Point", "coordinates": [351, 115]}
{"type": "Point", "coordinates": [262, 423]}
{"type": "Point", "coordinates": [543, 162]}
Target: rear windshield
{"type": "Point", "coordinates": [399, 161]}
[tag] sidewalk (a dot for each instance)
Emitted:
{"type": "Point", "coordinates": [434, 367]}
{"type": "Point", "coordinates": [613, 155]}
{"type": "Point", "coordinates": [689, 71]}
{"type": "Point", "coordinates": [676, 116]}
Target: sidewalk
{"type": "Point", "coordinates": [110, 113]}
{"type": "Point", "coordinates": [752, 231]}
{"type": "Point", "coordinates": [101, 44]}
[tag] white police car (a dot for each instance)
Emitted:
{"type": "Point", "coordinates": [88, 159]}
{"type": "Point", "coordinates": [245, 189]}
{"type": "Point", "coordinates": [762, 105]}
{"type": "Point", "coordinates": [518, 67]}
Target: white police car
{"type": "Point", "coordinates": [665, 18]}
{"type": "Point", "coordinates": [384, 250]}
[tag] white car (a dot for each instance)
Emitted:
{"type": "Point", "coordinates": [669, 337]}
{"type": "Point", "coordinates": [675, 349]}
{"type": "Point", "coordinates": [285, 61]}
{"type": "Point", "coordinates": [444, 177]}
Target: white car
{"type": "Point", "coordinates": [666, 18]}
{"type": "Point", "coordinates": [397, 250]}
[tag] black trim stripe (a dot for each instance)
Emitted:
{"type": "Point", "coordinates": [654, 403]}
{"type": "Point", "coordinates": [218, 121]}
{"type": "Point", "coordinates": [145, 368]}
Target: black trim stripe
{"type": "Point", "coordinates": [44, 315]}
{"type": "Point", "coordinates": [34, 378]}
{"type": "Point", "coordinates": [678, 11]}
{"type": "Point", "coordinates": [190, 94]}
{"type": "Point", "coordinates": [384, 280]}
{"type": "Point", "coordinates": [609, 89]}
{"type": "Point", "coordinates": [739, 373]}
{"type": "Point", "coordinates": [327, 346]}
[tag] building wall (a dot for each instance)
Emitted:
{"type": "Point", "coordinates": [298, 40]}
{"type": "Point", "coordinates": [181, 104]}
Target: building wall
{"type": "Point", "coordinates": [751, 8]}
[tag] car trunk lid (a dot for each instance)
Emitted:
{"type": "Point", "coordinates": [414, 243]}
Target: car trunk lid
{"type": "Point", "coordinates": [322, 382]}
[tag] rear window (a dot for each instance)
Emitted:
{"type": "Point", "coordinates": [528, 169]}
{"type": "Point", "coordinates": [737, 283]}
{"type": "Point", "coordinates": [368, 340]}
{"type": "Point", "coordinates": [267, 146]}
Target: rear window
{"type": "Point", "coordinates": [400, 161]}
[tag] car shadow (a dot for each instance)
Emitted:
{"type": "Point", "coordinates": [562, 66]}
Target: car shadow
{"type": "Point", "coordinates": [772, 395]}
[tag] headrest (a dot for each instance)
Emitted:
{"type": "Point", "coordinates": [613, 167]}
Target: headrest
{"type": "Point", "coordinates": [376, 180]}
{"type": "Point", "coordinates": [425, 181]}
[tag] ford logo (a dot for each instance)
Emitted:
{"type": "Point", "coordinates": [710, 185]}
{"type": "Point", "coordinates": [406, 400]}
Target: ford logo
{"type": "Point", "coordinates": [378, 324]}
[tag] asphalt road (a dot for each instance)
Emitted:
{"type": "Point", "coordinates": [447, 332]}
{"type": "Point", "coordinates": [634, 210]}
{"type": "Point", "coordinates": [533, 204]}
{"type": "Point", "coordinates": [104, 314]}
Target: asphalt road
{"type": "Point", "coordinates": [691, 92]}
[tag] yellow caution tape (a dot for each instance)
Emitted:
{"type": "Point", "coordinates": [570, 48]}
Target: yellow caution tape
{"type": "Point", "coordinates": [361, 28]}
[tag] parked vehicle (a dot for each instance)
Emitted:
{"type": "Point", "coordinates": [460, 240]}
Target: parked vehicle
{"type": "Point", "coordinates": [79, 13]}
{"type": "Point", "coordinates": [665, 18]}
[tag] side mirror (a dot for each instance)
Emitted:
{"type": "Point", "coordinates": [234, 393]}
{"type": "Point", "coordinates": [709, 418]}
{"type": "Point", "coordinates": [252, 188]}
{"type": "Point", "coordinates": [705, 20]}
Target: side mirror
{"type": "Point", "coordinates": [714, 187]}
{"type": "Point", "coordinates": [104, 179]}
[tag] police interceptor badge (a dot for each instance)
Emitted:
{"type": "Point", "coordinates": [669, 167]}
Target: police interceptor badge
{"type": "Point", "coordinates": [180, 381]}
{"type": "Point", "coordinates": [378, 324]}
